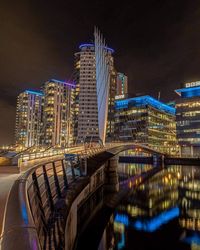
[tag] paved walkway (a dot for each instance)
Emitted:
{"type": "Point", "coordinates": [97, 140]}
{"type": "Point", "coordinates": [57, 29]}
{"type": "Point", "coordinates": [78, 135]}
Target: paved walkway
{"type": "Point", "coordinates": [6, 181]}
{"type": "Point", "coordinates": [9, 174]}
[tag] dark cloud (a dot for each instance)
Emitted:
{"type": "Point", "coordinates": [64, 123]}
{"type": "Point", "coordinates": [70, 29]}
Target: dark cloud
{"type": "Point", "coordinates": [156, 44]}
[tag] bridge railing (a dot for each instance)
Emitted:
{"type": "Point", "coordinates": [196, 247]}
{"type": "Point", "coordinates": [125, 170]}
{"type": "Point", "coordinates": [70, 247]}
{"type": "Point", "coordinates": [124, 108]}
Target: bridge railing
{"type": "Point", "coordinates": [32, 219]}
{"type": "Point", "coordinates": [54, 152]}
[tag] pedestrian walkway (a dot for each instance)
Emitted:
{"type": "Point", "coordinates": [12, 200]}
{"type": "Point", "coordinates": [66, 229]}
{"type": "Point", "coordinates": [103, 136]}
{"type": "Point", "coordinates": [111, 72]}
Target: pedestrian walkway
{"type": "Point", "coordinates": [6, 181]}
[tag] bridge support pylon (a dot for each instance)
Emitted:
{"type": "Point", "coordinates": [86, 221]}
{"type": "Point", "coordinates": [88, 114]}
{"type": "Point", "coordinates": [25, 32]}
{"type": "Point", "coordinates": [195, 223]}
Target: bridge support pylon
{"type": "Point", "coordinates": [111, 175]}
{"type": "Point", "coordinates": [158, 160]}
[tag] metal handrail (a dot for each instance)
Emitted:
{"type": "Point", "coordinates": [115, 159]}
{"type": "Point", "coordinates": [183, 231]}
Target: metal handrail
{"type": "Point", "coordinates": [32, 208]}
{"type": "Point", "coordinates": [32, 220]}
{"type": "Point", "coordinates": [18, 222]}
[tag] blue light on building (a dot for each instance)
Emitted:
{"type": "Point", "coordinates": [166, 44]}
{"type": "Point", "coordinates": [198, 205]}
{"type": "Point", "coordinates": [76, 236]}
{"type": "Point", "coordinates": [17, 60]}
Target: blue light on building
{"type": "Point", "coordinates": [188, 92]}
{"type": "Point", "coordinates": [86, 45]}
{"type": "Point", "coordinates": [92, 45]}
{"type": "Point", "coordinates": [188, 119]}
{"type": "Point", "coordinates": [142, 101]}
{"type": "Point", "coordinates": [154, 223]}
{"type": "Point", "coordinates": [34, 92]}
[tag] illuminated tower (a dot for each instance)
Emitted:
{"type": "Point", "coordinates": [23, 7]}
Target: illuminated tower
{"type": "Point", "coordinates": [75, 97]}
{"type": "Point", "coordinates": [111, 101]}
{"type": "Point", "coordinates": [28, 118]}
{"type": "Point", "coordinates": [188, 119]}
{"type": "Point", "coordinates": [92, 66]}
{"type": "Point", "coordinates": [121, 86]}
{"type": "Point", "coordinates": [57, 113]}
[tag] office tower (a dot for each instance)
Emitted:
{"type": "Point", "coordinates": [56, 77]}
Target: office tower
{"type": "Point", "coordinates": [111, 102]}
{"type": "Point", "coordinates": [85, 99]}
{"type": "Point", "coordinates": [121, 86]}
{"type": "Point", "coordinates": [86, 117]}
{"type": "Point", "coordinates": [146, 120]}
{"type": "Point", "coordinates": [57, 117]}
{"type": "Point", "coordinates": [188, 119]}
{"type": "Point", "coordinates": [92, 76]}
{"type": "Point", "coordinates": [75, 112]}
{"type": "Point", "coordinates": [28, 118]}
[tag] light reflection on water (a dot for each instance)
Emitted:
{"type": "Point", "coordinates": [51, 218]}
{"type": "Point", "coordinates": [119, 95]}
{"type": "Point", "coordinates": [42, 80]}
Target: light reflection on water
{"type": "Point", "coordinates": [161, 213]}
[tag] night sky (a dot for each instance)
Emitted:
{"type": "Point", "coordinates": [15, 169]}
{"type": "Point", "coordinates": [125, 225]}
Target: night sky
{"type": "Point", "coordinates": [156, 43]}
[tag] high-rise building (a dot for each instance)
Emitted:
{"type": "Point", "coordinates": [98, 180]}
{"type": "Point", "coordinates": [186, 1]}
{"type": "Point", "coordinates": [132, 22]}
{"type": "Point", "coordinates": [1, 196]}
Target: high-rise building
{"type": "Point", "coordinates": [146, 120]}
{"type": "Point", "coordinates": [121, 86]}
{"type": "Point", "coordinates": [57, 119]}
{"type": "Point", "coordinates": [111, 104]}
{"type": "Point", "coordinates": [93, 65]}
{"type": "Point", "coordinates": [85, 105]}
{"type": "Point", "coordinates": [29, 118]}
{"type": "Point", "coordinates": [188, 119]}
{"type": "Point", "coordinates": [74, 113]}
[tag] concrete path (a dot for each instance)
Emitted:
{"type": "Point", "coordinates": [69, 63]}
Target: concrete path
{"type": "Point", "coordinates": [6, 181]}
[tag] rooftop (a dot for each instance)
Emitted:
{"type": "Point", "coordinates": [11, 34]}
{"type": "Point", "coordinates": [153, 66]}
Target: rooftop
{"type": "Point", "coordinates": [144, 100]}
{"type": "Point", "coordinates": [34, 92]}
{"type": "Point", "coordinates": [188, 92]}
{"type": "Point", "coordinates": [62, 82]}
{"type": "Point", "coordinates": [92, 45]}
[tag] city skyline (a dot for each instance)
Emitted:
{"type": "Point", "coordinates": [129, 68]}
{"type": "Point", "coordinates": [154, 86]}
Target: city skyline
{"type": "Point", "coordinates": [37, 47]}
{"type": "Point", "coordinates": [100, 125]}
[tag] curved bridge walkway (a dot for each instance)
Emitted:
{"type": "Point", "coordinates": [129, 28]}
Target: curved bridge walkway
{"type": "Point", "coordinates": [32, 203]}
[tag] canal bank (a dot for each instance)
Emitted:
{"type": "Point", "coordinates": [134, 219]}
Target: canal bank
{"type": "Point", "coordinates": [166, 160]}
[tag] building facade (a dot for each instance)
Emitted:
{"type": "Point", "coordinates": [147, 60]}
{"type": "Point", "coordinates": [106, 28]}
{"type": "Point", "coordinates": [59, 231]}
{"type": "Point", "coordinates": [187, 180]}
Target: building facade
{"type": "Point", "coordinates": [121, 86]}
{"type": "Point", "coordinates": [57, 118]}
{"type": "Point", "coordinates": [148, 121]}
{"type": "Point", "coordinates": [29, 119]}
{"type": "Point", "coordinates": [188, 119]}
{"type": "Point", "coordinates": [85, 96]}
{"type": "Point", "coordinates": [95, 80]}
{"type": "Point", "coordinates": [111, 103]}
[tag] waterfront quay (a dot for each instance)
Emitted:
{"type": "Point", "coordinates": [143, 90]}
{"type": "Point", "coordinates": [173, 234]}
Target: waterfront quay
{"type": "Point", "coordinates": [54, 205]}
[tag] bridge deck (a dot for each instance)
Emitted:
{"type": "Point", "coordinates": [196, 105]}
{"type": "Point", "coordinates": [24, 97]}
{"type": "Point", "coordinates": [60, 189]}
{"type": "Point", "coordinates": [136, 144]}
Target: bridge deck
{"type": "Point", "coordinates": [94, 162]}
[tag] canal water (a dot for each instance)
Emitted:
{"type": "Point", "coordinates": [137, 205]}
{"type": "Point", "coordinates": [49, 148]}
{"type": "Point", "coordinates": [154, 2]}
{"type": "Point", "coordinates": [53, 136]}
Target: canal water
{"type": "Point", "coordinates": [161, 213]}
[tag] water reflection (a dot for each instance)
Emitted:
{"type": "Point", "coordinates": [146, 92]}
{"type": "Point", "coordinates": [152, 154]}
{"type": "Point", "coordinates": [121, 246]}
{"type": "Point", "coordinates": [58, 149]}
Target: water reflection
{"type": "Point", "coordinates": [162, 213]}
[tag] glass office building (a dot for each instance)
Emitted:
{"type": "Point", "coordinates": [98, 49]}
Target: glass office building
{"type": "Point", "coordinates": [188, 119]}
{"type": "Point", "coordinates": [146, 120]}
